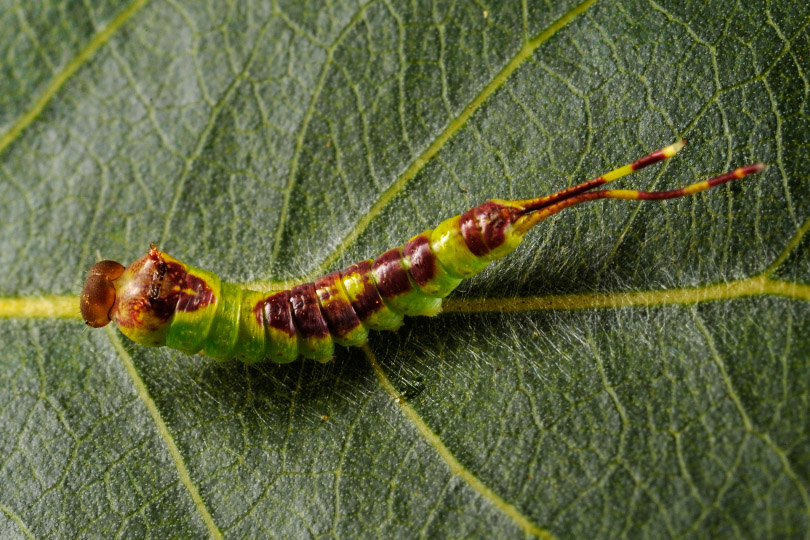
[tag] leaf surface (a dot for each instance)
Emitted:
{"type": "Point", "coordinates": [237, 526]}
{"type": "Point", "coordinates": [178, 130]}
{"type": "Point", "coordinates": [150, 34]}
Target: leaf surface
{"type": "Point", "coordinates": [633, 370]}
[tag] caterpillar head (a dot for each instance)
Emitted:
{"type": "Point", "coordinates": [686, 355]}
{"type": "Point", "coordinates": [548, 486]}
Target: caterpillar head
{"type": "Point", "coordinates": [98, 295]}
{"type": "Point", "coordinates": [140, 299]}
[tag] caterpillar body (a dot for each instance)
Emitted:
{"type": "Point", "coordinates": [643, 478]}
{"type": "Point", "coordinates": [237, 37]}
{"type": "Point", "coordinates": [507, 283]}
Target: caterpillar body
{"type": "Point", "coordinates": [160, 301]}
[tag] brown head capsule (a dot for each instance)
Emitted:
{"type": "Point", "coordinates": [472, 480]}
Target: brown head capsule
{"type": "Point", "coordinates": [98, 295]}
{"type": "Point", "coordinates": [143, 298]}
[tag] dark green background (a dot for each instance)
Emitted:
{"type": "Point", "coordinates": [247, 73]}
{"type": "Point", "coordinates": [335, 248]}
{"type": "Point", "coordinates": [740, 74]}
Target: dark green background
{"type": "Point", "coordinates": [250, 138]}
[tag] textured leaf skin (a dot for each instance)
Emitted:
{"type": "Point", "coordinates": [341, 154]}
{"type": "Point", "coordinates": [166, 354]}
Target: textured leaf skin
{"type": "Point", "coordinates": [264, 142]}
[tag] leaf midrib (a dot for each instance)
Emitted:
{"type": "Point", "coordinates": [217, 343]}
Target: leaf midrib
{"type": "Point", "coordinates": [67, 306]}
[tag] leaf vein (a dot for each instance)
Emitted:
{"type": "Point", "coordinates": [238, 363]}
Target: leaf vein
{"type": "Point", "coordinates": [197, 152]}
{"type": "Point", "coordinates": [755, 286]}
{"type": "Point", "coordinates": [299, 140]}
{"type": "Point", "coordinates": [61, 77]}
{"type": "Point", "coordinates": [165, 434]}
{"type": "Point", "coordinates": [455, 466]}
{"type": "Point", "coordinates": [20, 523]}
{"type": "Point", "coordinates": [454, 126]}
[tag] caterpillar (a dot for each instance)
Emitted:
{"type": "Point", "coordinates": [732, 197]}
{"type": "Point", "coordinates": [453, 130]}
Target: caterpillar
{"type": "Point", "coordinates": [157, 300]}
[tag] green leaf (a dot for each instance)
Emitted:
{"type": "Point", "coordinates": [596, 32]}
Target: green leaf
{"type": "Point", "coordinates": [633, 370]}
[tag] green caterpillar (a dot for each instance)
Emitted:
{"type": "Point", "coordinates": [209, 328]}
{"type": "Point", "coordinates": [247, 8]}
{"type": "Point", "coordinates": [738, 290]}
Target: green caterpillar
{"type": "Point", "coordinates": [159, 301]}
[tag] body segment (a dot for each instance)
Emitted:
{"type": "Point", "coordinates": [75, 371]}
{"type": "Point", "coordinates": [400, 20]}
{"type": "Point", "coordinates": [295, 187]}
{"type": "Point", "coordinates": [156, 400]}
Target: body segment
{"type": "Point", "coordinates": [159, 301]}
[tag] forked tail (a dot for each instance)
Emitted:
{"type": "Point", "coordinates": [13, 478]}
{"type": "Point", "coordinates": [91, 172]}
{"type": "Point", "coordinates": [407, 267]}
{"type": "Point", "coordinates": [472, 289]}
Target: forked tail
{"type": "Point", "coordinates": [535, 210]}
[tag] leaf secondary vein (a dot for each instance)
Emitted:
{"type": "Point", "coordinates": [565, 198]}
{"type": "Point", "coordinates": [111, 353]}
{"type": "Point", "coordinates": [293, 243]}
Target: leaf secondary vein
{"type": "Point", "coordinates": [299, 140]}
{"type": "Point", "coordinates": [455, 467]}
{"type": "Point", "coordinates": [747, 423]}
{"type": "Point", "coordinates": [165, 434]}
{"type": "Point", "coordinates": [789, 248]}
{"type": "Point", "coordinates": [454, 126]}
{"type": "Point", "coordinates": [59, 80]}
{"type": "Point", "coordinates": [18, 520]}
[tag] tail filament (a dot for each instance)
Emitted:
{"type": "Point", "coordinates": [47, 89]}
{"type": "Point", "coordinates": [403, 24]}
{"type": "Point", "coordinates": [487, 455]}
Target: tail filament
{"type": "Point", "coordinates": [535, 210]}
